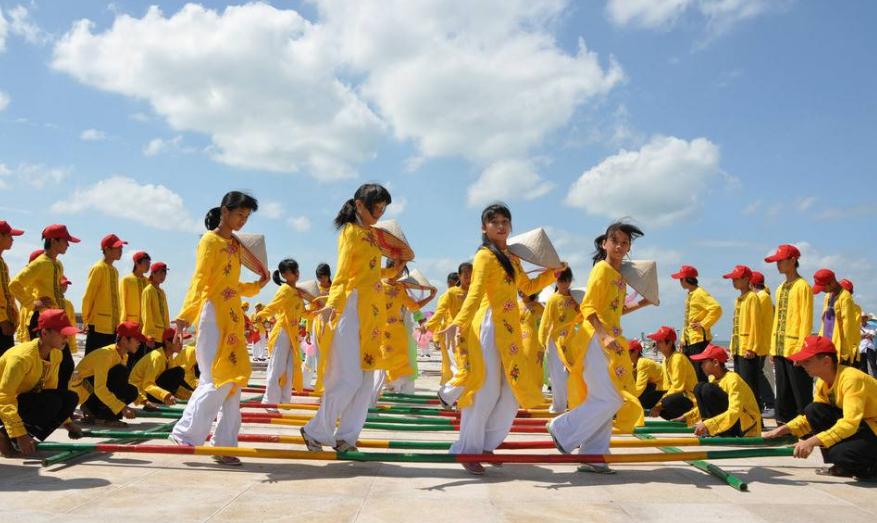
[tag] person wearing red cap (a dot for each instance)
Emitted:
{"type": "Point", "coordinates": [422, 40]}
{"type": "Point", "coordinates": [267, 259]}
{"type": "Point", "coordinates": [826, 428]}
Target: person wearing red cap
{"type": "Point", "coordinates": [555, 334]}
{"type": "Point", "coordinates": [8, 309]}
{"type": "Point", "coordinates": [702, 311]}
{"type": "Point", "coordinates": [32, 405]}
{"type": "Point", "coordinates": [153, 308]}
{"type": "Point", "coordinates": [598, 377]}
{"type": "Point", "coordinates": [792, 322]}
{"type": "Point", "coordinates": [214, 302]}
{"type": "Point", "coordinates": [649, 387]}
{"type": "Point", "coordinates": [101, 379]}
{"type": "Point", "coordinates": [840, 321]}
{"type": "Point", "coordinates": [38, 286]}
{"type": "Point", "coordinates": [842, 419]}
{"type": "Point", "coordinates": [131, 287]}
{"type": "Point", "coordinates": [156, 378]}
{"type": "Point", "coordinates": [101, 305]}
{"type": "Point", "coordinates": [745, 334]}
{"type": "Point", "coordinates": [726, 406]}
{"type": "Point", "coordinates": [765, 324]}
{"type": "Point", "coordinates": [679, 377]}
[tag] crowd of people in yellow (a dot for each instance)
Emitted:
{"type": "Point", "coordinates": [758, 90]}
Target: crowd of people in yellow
{"type": "Point", "coordinates": [499, 345]}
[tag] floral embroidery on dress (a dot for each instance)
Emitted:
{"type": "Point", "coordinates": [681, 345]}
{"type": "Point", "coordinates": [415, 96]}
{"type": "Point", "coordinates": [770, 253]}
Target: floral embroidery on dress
{"type": "Point", "coordinates": [513, 349]}
{"type": "Point", "coordinates": [508, 306]}
{"type": "Point", "coordinates": [378, 286]}
{"type": "Point", "coordinates": [508, 280]}
{"type": "Point", "coordinates": [564, 333]}
{"type": "Point", "coordinates": [372, 263]}
{"type": "Point", "coordinates": [232, 339]}
{"type": "Point", "coordinates": [508, 326]}
{"type": "Point", "coordinates": [515, 372]}
{"type": "Point", "coordinates": [369, 238]}
{"type": "Point", "coordinates": [376, 333]}
{"type": "Point", "coordinates": [368, 359]}
{"type": "Point", "coordinates": [619, 371]}
{"type": "Point", "coordinates": [614, 304]}
{"type": "Point", "coordinates": [619, 283]}
{"type": "Point", "coordinates": [375, 310]}
{"type": "Point", "coordinates": [233, 315]}
{"type": "Point", "coordinates": [228, 293]}
{"type": "Point", "coordinates": [616, 331]}
{"type": "Point", "coordinates": [233, 358]}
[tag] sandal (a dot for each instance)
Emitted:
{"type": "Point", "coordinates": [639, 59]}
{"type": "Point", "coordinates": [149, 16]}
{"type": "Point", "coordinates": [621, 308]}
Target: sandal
{"type": "Point", "coordinates": [474, 468]}
{"type": "Point", "coordinates": [231, 461]}
{"type": "Point", "coordinates": [312, 444]}
{"type": "Point", "coordinates": [595, 468]}
{"type": "Point", "coordinates": [550, 428]}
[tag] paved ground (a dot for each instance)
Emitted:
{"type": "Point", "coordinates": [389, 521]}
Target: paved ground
{"type": "Point", "coordinates": [156, 488]}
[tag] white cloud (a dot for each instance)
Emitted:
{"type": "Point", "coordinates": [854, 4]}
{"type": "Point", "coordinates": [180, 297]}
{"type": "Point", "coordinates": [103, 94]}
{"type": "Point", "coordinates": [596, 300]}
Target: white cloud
{"type": "Point", "coordinates": [92, 135]}
{"type": "Point", "coordinates": [397, 207]}
{"type": "Point", "coordinates": [141, 117]}
{"type": "Point", "coordinates": [508, 180]}
{"type": "Point", "coordinates": [299, 223]}
{"type": "Point", "coordinates": [21, 24]}
{"type": "Point", "coordinates": [804, 204]}
{"type": "Point", "coordinates": [272, 210]}
{"type": "Point", "coordinates": [659, 184]}
{"type": "Point", "coordinates": [158, 145]}
{"type": "Point", "coordinates": [152, 205]}
{"type": "Point", "coordinates": [752, 208]}
{"type": "Point", "coordinates": [39, 175]}
{"type": "Point", "coordinates": [4, 100]}
{"type": "Point", "coordinates": [651, 14]}
{"type": "Point", "coordinates": [4, 29]}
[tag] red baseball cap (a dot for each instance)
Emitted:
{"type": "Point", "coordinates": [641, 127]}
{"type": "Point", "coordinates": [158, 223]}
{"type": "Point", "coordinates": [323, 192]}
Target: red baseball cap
{"type": "Point", "coordinates": [5, 228]}
{"type": "Point", "coordinates": [784, 252]}
{"type": "Point", "coordinates": [663, 334]}
{"type": "Point", "coordinates": [757, 278]}
{"type": "Point", "coordinates": [58, 230]}
{"type": "Point", "coordinates": [711, 352]}
{"type": "Point", "coordinates": [65, 281]}
{"type": "Point", "coordinates": [111, 241]}
{"type": "Point", "coordinates": [740, 271]}
{"type": "Point", "coordinates": [686, 271]}
{"type": "Point", "coordinates": [822, 279]}
{"type": "Point", "coordinates": [158, 266]}
{"type": "Point", "coordinates": [34, 255]}
{"type": "Point", "coordinates": [634, 345]}
{"type": "Point", "coordinates": [130, 329]}
{"type": "Point", "coordinates": [56, 320]}
{"type": "Point", "coordinates": [170, 333]}
{"type": "Point", "coordinates": [814, 345]}
{"type": "Point", "coordinates": [139, 255]}
{"type": "Point", "coordinates": [847, 284]}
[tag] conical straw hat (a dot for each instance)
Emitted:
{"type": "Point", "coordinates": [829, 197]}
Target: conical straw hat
{"type": "Point", "coordinates": [534, 247]}
{"type": "Point", "coordinates": [416, 279]}
{"type": "Point", "coordinates": [642, 275]}
{"type": "Point", "coordinates": [310, 288]}
{"type": "Point", "coordinates": [391, 240]}
{"type": "Point", "coordinates": [254, 255]}
{"type": "Point", "coordinates": [578, 294]}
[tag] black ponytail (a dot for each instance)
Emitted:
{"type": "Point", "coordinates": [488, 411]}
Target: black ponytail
{"type": "Point", "coordinates": [487, 215]}
{"type": "Point", "coordinates": [370, 194]}
{"type": "Point", "coordinates": [632, 231]}
{"type": "Point", "coordinates": [285, 265]}
{"type": "Point", "coordinates": [231, 201]}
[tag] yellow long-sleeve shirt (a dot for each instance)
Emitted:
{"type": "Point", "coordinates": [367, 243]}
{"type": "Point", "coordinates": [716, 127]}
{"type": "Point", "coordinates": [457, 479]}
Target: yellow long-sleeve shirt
{"type": "Point", "coordinates": [154, 312]}
{"type": "Point", "coordinates": [71, 316]}
{"type": "Point", "coordinates": [146, 371]}
{"type": "Point", "coordinates": [535, 352]}
{"type": "Point", "coordinates": [394, 346]}
{"type": "Point", "coordinates": [558, 322]}
{"type": "Point", "coordinates": [855, 393]}
{"type": "Point", "coordinates": [217, 279]}
{"type": "Point", "coordinates": [8, 309]}
{"type": "Point", "coordinates": [648, 371]}
{"type": "Point", "coordinates": [847, 326]}
{"type": "Point", "coordinates": [187, 360]}
{"type": "Point", "coordinates": [741, 406]}
{"type": "Point", "coordinates": [700, 307]}
{"type": "Point", "coordinates": [745, 334]}
{"type": "Point", "coordinates": [100, 304]}
{"type": "Point", "coordinates": [679, 376]}
{"type": "Point", "coordinates": [793, 317]}
{"type": "Point", "coordinates": [765, 321]}
{"type": "Point", "coordinates": [22, 370]}
{"type": "Point", "coordinates": [97, 364]}
{"type": "Point", "coordinates": [359, 269]}
{"type": "Point", "coordinates": [288, 308]}
{"type": "Point", "coordinates": [39, 278]}
{"type": "Point", "coordinates": [131, 289]}
{"type": "Point", "coordinates": [494, 290]}
{"type": "Point", "coordinates": [448, 306]}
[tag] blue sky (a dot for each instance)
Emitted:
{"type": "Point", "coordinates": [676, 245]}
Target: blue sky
{"type": "Point", "coordinates": [722, 127]}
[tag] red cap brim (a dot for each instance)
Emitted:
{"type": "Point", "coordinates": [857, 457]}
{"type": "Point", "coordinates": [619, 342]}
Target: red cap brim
{"type": "Point", "coordinates": [729, 276]}
{"type": "Point", "coordinates": [818, 288]}
{"type": "Point", "coordinates": [72, 239]}
{"type": "Point", "coordinates": [803, 355]}
{"type": "Point", "coordinates": [68, 331]}
{"type": "Point", "coordinates": [16, 232]}
{"type": "Point", "coordinates": [677, 276]}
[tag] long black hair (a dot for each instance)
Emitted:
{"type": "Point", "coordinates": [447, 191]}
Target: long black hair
{"type": "Point", "coordinates": [323, 269]}
{"type": "Point", "coordinates": [285, 265]}
{"type": "Point", "coordinates": [488, 214]}
{"type": "Point", "coordinates": [632, 231]}
{"type": "Point", "coordinates": [370, 194]}
{"type": "Point", "coordinates": [231, 201]}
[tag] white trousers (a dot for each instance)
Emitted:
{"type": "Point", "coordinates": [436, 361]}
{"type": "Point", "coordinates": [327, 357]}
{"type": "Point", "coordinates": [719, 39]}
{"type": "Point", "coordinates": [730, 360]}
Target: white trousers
{"type": "Point", "coordinates": [309, 365]}
{"type": "Point", "coordinates": [451, 393]}
{"type": "Point", "coordinates": [207, 401]}
{"type": "Point", "coordinates": [403, 385]}
{"type": "Point", "coordinates": [260, 348]}
{"type": "Point", "coordinates": [486, 423]}
{"type": "Point", "coordinates": [559, 375]}
{"type": "Point", "coordinates": [348, 388]}
{"type": "Point", "coordinates": [378, 389]}
{"type": "Point", "coordinates": [280, 364]}
{"type": "Point", "coordinates": [588, 427]}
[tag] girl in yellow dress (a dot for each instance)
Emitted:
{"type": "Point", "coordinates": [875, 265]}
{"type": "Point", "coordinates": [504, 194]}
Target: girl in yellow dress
{"type": "Point", "coordinates": [556, 334]}
{"type": "Point", "coordinates": [531, 317]}
{"type": "Point", "coordinates": [214, 301]}
{"type": "Point", "coordinates": [588, 426]}
{"type": "Point", "coordinates": [354, 315]}
{"type": "Point", "coordinates": [315, 365]}
{"type": "Point", "coordinates": [489, 324]}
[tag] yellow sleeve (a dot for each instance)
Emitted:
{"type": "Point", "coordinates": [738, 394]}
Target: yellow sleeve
{"type": "Point", "coordinates": [279, 304]}
{"type": "Point", "coordinates": [200, 278]}
{"type": "Point", "coordinates": [408, 302]}
{"type": "Point", "coordinates": [750, 327]}
{"type": "Point", "coordinates": [4, 316]}
{"type": "Point", "coordinates": [124, 296]}
{"type": "Point", "coordinates": [21, 286]}
{"type": "Point", "coordinates": [642, 379]}
{"type": "Point", "coordinates": [147, 314]}
{"type": "Point", "coordinates": [94, 283]}
{"type": "Point", "coordinates": [851, 329]}
{"type": "Point", "coordinates": [799, 426]}
{"type": "Point", "coordinates": [692, 416]}
{"type": "Point", "coordinates": [727, 419]}
{"type": "Point", "coordinates": [853, 412]}
{"type": "Point", "coordinates": [529, 285]}
{"type": "Point", "coordinates": [549, 317]}
{"type": "Point", "coordinates": [249, 289]}
{"type": "Point", "coordinates": [101, 369]}
{"type": "Point", "coordinates": [151, 374]}
{"type": "Point", "coordinates": [71, 315]}
{"type": "Point", "coordinates": [822, 314]}
{"type": "Point", "coordinates": [674, 373]}
{"type": "Point", "coordinates": [477, 290]}
{"type": "Point", "coordinates": [441, 309]}
{"type": "Point", "coordinates": [597, 294]}
{"type": "Point", "coordinates": [344, 271]}
{"type": "Point", "coordinates": [713, 311]}
{"type": "Point", "coordinates": [14, 372]}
